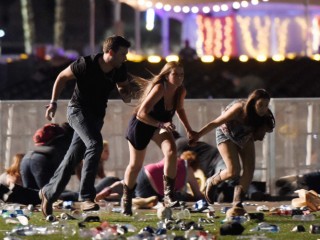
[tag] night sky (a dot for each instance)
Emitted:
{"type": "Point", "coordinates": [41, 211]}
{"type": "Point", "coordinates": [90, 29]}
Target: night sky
{"type": "Point", "coordinates": [76, 35]}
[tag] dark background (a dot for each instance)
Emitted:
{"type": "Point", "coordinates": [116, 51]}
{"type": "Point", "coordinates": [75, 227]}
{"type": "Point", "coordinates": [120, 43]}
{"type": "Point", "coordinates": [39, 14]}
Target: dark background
{"type": "Point", "coordinates": [33, 78]}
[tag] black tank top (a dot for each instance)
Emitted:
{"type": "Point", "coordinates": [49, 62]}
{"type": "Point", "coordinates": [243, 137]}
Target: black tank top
{"type": "Point", "coordinates": [160, 113]}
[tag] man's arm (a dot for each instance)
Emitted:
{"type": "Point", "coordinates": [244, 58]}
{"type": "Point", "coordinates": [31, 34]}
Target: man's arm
{"type": "Point", "coordinates": [124, 89]}
{"type": "Point", "coordinates": [60, 83]}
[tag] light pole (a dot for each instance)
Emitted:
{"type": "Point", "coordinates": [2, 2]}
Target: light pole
{"type": "Point", "coordinates": [2, 34]}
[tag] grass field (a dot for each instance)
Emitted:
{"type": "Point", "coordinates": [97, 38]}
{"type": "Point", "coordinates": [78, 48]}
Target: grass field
{"type": "Point", "coordinates": [149, 218]}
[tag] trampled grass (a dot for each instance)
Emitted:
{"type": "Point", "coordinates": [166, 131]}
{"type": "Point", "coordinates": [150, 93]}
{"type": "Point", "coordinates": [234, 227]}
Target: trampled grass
{"type": "Point", "coordinates": [149, 218]}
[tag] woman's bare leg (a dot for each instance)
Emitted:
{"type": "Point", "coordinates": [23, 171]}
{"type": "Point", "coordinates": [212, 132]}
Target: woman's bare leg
{"type": "Point", "coordinates": [135, 165]}
{"type": "Point", "coordinates": [167, 144]}
{"type": "Point", "coordinates": [248, 158]}
{"type": "Point", "coordinates": [230, 155]}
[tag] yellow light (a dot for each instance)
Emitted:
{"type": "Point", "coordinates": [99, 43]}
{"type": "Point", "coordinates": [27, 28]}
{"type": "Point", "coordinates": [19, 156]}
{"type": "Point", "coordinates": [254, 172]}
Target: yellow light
{"type": "Point", "coordinates": [216, 8]}
{"type": "Point", "coordinates": [304, 30]}
{"type": "Point", "coordinates": [149, 4]}
{"type": "Point", "coordinates": [150, 16]}
{"type": "Point", "coordinates": [218, 36]}
{"type": "Point", "coordinates": [261, 58]}
{"type": "Point", "coordinates": [159, 5]}
{"type": "Point", "coordinates": [132, 57]}
{"type": "Point", "coordinates": [278, 58]}
{"type": "Point", "coordinates": [263, 32]}
{"type": "Point", "coordinates": [23, 56]}
{"type": "Point", "coordinates": [207, 58]}
{"type": "Point", "coordinates": [244, 4]}
{"type": "Point", "coordinates": [316, 57]}
{"type": "Point", "coordinates": [195, 9]}
{"type": "Point", "coordinates": [200, 33]}
{"type": "Point", "coordinates": [236, 5]}
{"type": "Point", "coordinates": [243, 58]}
{"type": "Point", "coordinates": [282, 33]}
{"type": "Point", "coordinates": [224, 7]}
{"type": "Point", "coordinates": [167, 7]}
{"type": "Point", "coordinates": [177, 9]}
{"type": "Point", "coordinates": [154, 59]}
{"type": "Point", "coordinates": [9, 60]}
{"type": "Point", "coordinates": [185, 9]}
{"type": "Point", "coordinates": [206, 9]}
{"type": "Point", "coordinates": [210, 36]}
{"type": "Point", "coordinates": [291, 55]}
{"type": "Point", "coordinates": [228, 37]}
{"type": "Point", "coordinates": [225, 58]}
{"type": "Point", "coordinates": [172, 58]}
{"type": "Point", "coordinates": [141, 2]}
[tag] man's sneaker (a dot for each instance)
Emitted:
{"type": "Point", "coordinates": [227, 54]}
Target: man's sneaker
{"type": "Point", "coordinates": [89, 206]}
{"type": "Point", "coordinates": [46, 206]}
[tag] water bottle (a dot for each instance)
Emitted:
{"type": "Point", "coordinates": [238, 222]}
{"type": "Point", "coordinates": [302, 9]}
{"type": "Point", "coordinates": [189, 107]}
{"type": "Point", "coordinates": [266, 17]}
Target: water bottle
{"type": "Point", "coordinates": [200, 205]}
{"type": "Point", "coordinates": [224, 209]}
{"type": "Point", "coordinates": [285, 210]}
{"type": "Point", "coordinates": [265, 227]}
{"type": "Point", "coordinates": [307, 217]}
{"type": "Point", "coordinates": [239, 219]}
{"type": "Point", "coordinates": [315, 229]}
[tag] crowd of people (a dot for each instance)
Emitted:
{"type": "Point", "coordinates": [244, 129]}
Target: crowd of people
{"type": "Point", "coordinates": [77, 147]}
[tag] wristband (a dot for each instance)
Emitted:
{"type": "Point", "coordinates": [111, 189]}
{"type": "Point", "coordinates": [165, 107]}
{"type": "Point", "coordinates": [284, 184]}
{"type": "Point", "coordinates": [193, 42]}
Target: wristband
{"type": "Point", "coordinates": [53, 103]}
{"type": "Point", "coordinates": [160, 125]}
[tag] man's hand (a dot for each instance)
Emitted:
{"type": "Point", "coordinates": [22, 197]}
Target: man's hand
{"type": "Point", "coordinates": [51, 110]}
{"type": "Point", "coordinates": [125, 93]}
{"type": "Point", "coordinates": [191, 134]}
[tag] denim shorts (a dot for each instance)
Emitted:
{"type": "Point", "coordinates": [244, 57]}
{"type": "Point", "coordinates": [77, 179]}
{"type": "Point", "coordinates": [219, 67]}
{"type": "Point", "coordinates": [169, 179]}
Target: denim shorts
{"type": "Point", "coordinates": [220, 136]}
{"type": "Point", "coordinates": [239, 141]}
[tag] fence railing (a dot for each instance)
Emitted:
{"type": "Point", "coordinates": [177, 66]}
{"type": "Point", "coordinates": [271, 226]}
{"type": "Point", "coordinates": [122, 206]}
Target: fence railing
{"type": "Point", "coordinates": [293, 147]}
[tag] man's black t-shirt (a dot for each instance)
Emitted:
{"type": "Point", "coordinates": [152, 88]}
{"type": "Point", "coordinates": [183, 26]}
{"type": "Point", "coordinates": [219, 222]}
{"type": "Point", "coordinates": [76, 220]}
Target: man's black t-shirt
{"type": "Point", "coordinates": [93, 86]}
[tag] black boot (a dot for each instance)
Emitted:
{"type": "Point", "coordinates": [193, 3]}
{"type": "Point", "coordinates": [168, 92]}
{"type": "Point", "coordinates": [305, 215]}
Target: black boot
{"type": "Point", "coordinates": [237, 208]}
{"type": "Point", "coordinates": [169, 196]}
{"type": "Point", "coordinates": [212, 183]}
{"type": "Point", "coordinates": [22, 195]}
{"type": "Point", "coordinates": [126, 200]}
{"type": "Point", "coordinates": [3, 190]}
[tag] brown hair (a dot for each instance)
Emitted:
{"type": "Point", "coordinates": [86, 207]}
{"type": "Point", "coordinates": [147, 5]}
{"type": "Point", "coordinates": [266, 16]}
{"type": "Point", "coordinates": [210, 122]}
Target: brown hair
{"type": "Point", "coordinates": [145, 85]}
{"type": "Point", "coordinates": [250, 115]}
{"type": "Point", "coordinates": [14, 169]}
{"type": "Point", "coordinates": [114, 43]}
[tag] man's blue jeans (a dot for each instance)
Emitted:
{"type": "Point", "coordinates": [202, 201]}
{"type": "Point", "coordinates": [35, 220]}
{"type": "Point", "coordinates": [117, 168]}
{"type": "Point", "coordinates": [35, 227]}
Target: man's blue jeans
{"type": "Point", "coordinates": [86, 144]}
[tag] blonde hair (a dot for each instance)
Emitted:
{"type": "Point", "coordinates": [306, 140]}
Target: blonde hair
{"type": "Point", "coordinates": [145, 85]}
{"type": "Point", "coordinates": [188, 156]}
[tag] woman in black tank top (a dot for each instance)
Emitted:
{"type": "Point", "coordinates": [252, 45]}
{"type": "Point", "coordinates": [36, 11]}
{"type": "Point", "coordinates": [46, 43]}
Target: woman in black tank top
{"type": "Point", "coordinates": [160, 98]}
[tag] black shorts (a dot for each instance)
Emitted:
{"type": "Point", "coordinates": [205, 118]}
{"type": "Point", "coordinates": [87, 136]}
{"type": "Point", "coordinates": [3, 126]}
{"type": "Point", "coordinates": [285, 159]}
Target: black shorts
{"type": "Point", "coordinates": [139, 134]}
